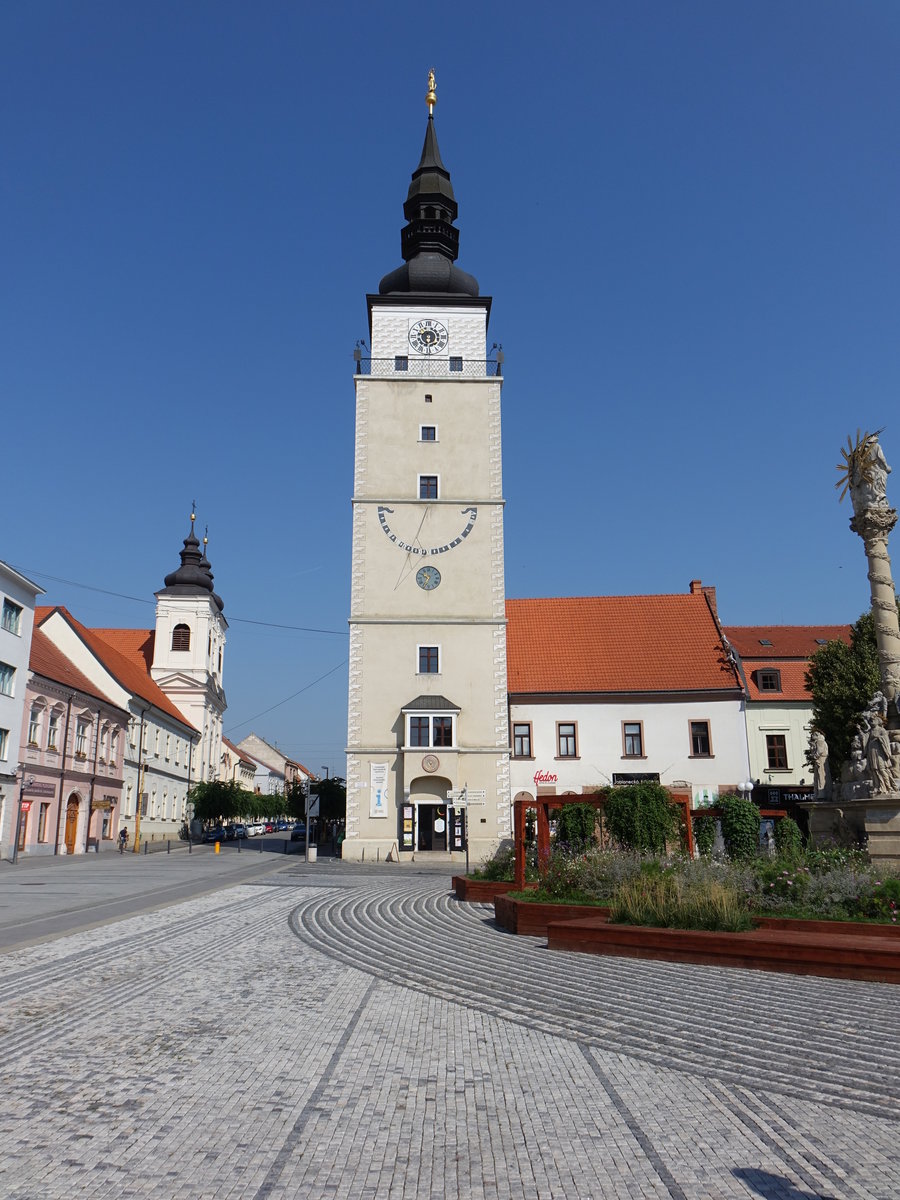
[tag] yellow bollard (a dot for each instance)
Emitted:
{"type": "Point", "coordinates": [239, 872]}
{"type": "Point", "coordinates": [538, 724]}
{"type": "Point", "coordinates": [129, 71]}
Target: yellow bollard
{"type": "Point", "coordinates": [217, 847]}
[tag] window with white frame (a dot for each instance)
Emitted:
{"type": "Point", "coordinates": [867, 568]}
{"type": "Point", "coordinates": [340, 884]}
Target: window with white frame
{"type": "Point", "coordinates": [7, 678]}
{"type": "Point", "coordinates": [104, 743]}
{"type": "Point", "coordinates": [566, 744]}
{"type": "Point", "coordinates": [114, 747]}
{"type": "Point", "coordinates": [4, 743]}
{"type": "Point", "coordinates": [34, 725]}
{"type": "Point", "coordinates": [522, 739]}
{"type": "Point", "coordinates": [81, 738]}
{"type": "Point", "coordinates": [428, 487]}
{"type": "Point", "coordinates": [156, 742]}
{"type": "Point", "coordinates": [426, 731]}
{"type": "Point", "coordinates": [428, 433]}
{"type": "Point", "coordinates": [12, 616]}
{"type": "Point", "coordinates": [429, 660]}
{"type": "Point", "coordinates": [168, 746]}
{"type": "Point", "coordinates": [633, 739]}
{"type": "Point", "coordinates": [53, 731]}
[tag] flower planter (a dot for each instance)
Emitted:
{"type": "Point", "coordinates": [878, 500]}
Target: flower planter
{"type": "Point", "coordinates": [869, 952]}
{"type": "Point", "coordinates": [480, 890]}
{"type": "Point", "coordinates": [532, 918]}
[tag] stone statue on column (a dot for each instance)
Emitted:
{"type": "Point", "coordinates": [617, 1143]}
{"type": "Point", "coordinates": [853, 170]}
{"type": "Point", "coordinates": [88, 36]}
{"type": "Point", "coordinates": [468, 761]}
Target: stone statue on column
{"type": "Point", "coordinates": [865, 471]}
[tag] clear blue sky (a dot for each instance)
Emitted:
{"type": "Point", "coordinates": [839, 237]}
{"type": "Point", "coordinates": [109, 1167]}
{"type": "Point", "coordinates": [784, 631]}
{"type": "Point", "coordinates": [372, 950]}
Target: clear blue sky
{"type": "Point", "coordinates": [687, 217]}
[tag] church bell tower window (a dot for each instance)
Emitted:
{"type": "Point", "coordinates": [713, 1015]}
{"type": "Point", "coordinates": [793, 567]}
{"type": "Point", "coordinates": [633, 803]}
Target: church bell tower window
{"type": "Point", "coordinates": [181, 637]}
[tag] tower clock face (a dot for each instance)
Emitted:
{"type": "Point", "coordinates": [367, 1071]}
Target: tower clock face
{"type": "Point", "coordinates": [428, 337]}
{"type": "Point", "coordinates": [428, 578]}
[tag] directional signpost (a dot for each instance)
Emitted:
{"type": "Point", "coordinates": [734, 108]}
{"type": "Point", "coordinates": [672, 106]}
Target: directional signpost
{"type": "Point", "coordinates": [462, 798]}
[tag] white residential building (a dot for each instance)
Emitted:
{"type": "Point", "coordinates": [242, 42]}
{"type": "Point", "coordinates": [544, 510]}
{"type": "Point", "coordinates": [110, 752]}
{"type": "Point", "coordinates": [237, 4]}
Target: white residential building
{"type": "Point", "coordinates": [17, 602]}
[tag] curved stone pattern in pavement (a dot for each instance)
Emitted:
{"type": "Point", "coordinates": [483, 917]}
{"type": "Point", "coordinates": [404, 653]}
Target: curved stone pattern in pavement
{"type": "Point", "coordinates": [836, 1041]}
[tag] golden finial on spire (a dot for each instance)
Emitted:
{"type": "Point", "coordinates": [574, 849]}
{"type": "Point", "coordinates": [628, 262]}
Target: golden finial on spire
{"type": "Point", "coordinates": [430, 95]}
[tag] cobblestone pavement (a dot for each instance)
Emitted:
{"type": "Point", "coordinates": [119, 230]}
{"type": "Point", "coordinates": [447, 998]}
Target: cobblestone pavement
{"type": "Point", "coordinates": [354, 1033]}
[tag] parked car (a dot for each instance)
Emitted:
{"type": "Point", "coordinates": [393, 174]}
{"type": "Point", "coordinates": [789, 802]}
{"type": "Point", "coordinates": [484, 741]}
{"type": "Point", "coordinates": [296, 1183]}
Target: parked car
{"type": "Point", "coordinates": [298, 833]}
{"type": "Point", "coordinates": [283, 827]}
{"type": "Point", "coordinates": [270, 828]}
{"type": "Point", "coordinates": [216, 834]}
{"type": "Point", "coordinates": [240, 830]}
{"type": "Point", "coordinates": [229, 833]}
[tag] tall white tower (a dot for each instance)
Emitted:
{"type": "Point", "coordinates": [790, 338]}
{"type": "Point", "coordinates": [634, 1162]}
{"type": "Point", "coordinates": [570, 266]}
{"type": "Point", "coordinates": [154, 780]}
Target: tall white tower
{"type": "Point", "coordinates": [189, 651]}
{"type": "Point", "coordinates": [427, 700]}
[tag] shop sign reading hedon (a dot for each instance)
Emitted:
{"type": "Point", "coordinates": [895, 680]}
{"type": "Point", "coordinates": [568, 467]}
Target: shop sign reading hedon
{"type": "Point", "coordinates": [544, 777]}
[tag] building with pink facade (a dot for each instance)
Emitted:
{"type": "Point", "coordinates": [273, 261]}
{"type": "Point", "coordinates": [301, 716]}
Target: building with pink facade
{"type": "Point", "coordinates": [71, 758]}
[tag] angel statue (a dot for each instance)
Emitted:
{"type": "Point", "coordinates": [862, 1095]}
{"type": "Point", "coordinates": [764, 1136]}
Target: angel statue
{"type": "Point", "coordinates": [864, 472]}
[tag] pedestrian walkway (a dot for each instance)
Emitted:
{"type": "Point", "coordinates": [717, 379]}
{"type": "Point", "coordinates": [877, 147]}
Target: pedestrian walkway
{"type": "Point", "coordinates": [325, 1031]}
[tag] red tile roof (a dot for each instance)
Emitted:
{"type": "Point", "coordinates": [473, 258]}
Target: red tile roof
{"type": "Point", "coordinates": [127, 662]}
{"type": "Point", "coordinates": [615, 644]}
{"type": "Point", "coordinates": [49, 661]}
{"type": "Point", "coordinates": [240, 753]}
{"type": "Point", "coordinates": [793, 685]}
{"type": "Point", "coordinates": [788, 641]}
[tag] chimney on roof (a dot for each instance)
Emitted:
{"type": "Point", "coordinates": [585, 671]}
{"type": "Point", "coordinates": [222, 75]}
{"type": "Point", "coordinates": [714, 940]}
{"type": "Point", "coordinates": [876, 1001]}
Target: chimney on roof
{"type": "Point", "coordinates": [709, 592]}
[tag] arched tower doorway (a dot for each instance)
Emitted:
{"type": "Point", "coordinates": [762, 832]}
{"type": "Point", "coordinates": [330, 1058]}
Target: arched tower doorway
{"type": "Point", "coordinates": [428, 795]}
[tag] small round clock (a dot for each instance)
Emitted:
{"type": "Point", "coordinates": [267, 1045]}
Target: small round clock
{"type": "Point", "coordinates": [428, 337]}
{"type": "Point", "coordinates": [428, 578]}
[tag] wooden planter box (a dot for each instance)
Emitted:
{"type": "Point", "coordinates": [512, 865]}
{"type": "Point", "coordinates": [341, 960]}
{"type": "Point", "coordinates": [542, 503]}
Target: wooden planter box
{"type": "Point", "coordinates": [532, 919]}
{"type": "Point", "coordinates": [870, 955]}
{"type": "Point", "coordinates": [483, 890]}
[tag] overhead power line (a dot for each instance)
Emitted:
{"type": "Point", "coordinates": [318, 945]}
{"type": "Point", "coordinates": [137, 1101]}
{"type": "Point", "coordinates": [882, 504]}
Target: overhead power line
{"type": "Point", "coordinates": [87, 587]}
{"type": "Point", "coordinates": [287, 698]}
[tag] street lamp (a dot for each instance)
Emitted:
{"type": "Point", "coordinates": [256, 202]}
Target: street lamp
{"type": "Point", "coordinates": [325, 769]}
{"type": "Point", "coordinates": [15, 853]}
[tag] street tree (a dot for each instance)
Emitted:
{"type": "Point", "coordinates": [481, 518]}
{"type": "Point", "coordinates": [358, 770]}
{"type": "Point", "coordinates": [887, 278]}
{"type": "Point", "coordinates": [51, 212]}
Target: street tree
{"type": "Point", "coordinates": [842, 680]}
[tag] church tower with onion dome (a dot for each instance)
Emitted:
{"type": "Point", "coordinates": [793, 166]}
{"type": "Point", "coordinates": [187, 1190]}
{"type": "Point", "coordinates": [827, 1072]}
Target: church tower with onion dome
{"type": "Point", "coordinates": [428, 741]}
{"type": "Point", "coordinates": [189, 650]}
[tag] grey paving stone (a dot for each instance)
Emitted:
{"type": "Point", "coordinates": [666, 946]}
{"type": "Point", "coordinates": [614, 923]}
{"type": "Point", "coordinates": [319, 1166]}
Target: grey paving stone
{"type": "Point", "coordinates": [360, 1034]}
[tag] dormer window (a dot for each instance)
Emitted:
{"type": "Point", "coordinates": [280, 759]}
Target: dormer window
{"type": "Point", "coordinates": [769, 680]}
{"type": "Point", "coordinates": [181, 637]}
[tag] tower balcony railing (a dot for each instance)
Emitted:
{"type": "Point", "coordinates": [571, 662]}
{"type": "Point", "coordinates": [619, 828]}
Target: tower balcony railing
{"type": "Point", "coordinates": [413, 367]}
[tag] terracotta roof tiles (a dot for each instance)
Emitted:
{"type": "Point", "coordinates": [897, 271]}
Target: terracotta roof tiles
{"type": "Point", "coordinates": [615, 644]}
{"type": "Point", "coordinates": [49, 661]}
{"type": "Point", "coordinates": [787, 641]}
{"type": "Point", "coordinates": [126, 661]}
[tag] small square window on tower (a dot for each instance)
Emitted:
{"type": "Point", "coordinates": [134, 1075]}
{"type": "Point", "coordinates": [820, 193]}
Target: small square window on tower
{"type": "Point", "coordinates": [428, 487]}
{"type": "Point", "coordinates": [428, 433]}
{"type": "Point", "coordinates": [401, 362]}
{"type": "Point", "coordinates": [429, 660]}
{"type": "Point", "coordinates": [456, 364]}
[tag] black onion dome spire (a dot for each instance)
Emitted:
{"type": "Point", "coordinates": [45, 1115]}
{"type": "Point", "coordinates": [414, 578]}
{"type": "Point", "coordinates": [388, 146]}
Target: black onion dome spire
{"type": "Point", "coordinates": [205, 564]}
{"type": "Point", "coordinates": [429, 242]}
{"type": "Point", "coordinates": [191, 576]}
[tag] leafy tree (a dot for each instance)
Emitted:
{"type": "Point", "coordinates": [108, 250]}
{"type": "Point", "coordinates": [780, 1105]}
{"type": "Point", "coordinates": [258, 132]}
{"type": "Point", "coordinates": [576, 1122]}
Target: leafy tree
{"type": "Point", "coordinates": [740, 827]}
{"type": "Point", "coordinates": [218, 800]}
{"type": "Point", "coordinates": [641, 816]}
{"type": "Point", "coordinates": [332, 795]}
{"type": "Point", "coordinates": [842, 680]}
{"type": "Point", "coordinates": [575, 825]}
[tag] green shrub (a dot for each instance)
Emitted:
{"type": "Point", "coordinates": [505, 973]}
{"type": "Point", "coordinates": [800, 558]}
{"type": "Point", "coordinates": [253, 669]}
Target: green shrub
{"type": "Point", "coordinates": [885, 901]}
{"type": "Point", "coordinates": [740, 827]}
{"type": "Point", "coordinates": [500, 867]}
{"type": "Point", "coordinates": [669, 903]}
{"type": "Point", "coordinates": [575, 826]}
{"type": "Point", "coordinates": [641, 817]}
{"type": "Point", "coordinates": [704, 835]}
{"type": "Point", "coordinates": [788, 839]}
